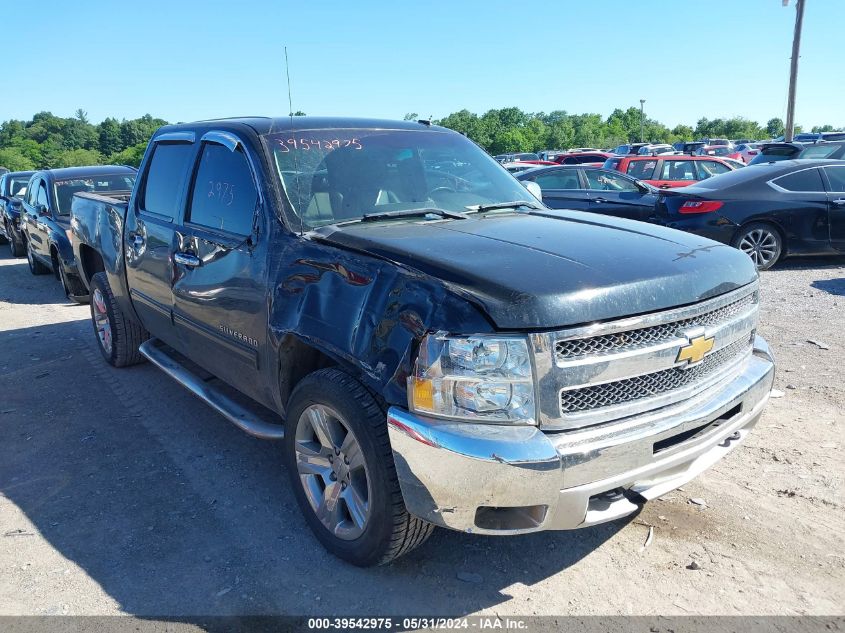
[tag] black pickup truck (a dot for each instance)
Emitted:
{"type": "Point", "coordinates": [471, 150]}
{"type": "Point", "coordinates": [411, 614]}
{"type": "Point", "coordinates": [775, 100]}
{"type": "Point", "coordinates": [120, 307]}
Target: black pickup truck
{"type": "Point", "coordinates": [433, 345]}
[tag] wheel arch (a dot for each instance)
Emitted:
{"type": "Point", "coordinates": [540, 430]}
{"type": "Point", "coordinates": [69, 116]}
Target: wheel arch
{"type": "Point", "coordinates": [770, 222]}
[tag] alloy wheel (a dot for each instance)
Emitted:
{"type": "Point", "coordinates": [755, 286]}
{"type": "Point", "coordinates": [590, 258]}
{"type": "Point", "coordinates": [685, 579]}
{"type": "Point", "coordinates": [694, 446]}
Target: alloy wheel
{"type": "Point", "coordinates": [761, 245]}
{"type": "Point", "coordinates": [101, 321]}
{"type": "Point", "coordinates": [332, 471]}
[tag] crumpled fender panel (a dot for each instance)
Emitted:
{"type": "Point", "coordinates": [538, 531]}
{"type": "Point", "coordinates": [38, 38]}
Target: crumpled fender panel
{"type": "Point", "coordinates": [367, 313]}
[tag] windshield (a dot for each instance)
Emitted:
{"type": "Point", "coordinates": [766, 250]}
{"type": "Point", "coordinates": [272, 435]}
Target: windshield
{"type": "Point", "coordinates": [337, 175]}
{"type": "Point", "coordinates": [95, 184]}
{"type": "Point", "coordinates": [17, 187]}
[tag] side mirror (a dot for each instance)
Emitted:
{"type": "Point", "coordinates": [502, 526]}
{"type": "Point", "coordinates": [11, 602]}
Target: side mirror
{"type": "Point", "coordinates": [14, 203]}
{"type": "Point", "coordinates": [534, 188]}
{"type": "Point", "coordinates": [42, 210]}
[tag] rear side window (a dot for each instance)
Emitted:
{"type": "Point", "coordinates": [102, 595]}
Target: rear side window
{"type": "Point", "coordinates": [677, 170]}
{"type": "Point", "coordinates": [224, 195]}
{"type": "Point", "coordinates": [804, 180]}
{"type": "Point", "coordinates": [709, 168]}
{"type": "Point", "coordinates": [612, 163]}
{"type": "Point", "coordinates": [641, 169]}
{"type": "Point", "coordinates": [818, 151]}
{"type": "Point", "coordinates": [561, 179]}
{"type": "Point", "coordinates": [166, 177]}
{"type": "Point", "coordinates": [836, 176]}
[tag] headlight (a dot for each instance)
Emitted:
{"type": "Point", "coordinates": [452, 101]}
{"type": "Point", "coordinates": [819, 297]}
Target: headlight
{"type": "Point", "coordinates": [483, 378]}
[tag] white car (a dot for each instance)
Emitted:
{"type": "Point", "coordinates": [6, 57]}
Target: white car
{"type": "Point", "coordinates": [747, 151]}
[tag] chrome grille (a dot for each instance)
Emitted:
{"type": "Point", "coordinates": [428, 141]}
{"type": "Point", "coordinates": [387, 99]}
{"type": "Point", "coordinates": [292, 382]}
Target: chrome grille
{"type": "Point", "coordinates": [654, 384]}
{"type": "Point", "coordinates": [633, 339]}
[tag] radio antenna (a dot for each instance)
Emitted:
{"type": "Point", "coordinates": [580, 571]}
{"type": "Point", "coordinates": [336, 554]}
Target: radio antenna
{"type": "Point", "coordinates": [297, 176]}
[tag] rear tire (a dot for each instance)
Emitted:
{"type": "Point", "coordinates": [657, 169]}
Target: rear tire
{"type": "Point", "coordinates": [340, 464]}
{"type": "Point", "coordinates": [118, 337]}
{"type": "Point", "coordinates": [35, 266]}
{"type": "Point", "coordinates": [761, 242]}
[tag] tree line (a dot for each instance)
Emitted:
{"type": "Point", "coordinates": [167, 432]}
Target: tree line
{"type": "Point", "coordinates": [512, 130]}
{"type": "Point", "coordinates": [48, 141]}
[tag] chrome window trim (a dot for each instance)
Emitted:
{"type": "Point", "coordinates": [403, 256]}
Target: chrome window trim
{"type": "Point", "coordinates": [228, 140]}
{"type": "Point", "coordinates": [780, 189]}
{"type": "Point", "coordinates": [181, 137]}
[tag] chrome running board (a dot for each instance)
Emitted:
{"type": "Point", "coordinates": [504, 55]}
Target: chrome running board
{"type": "Point", "coordinates": [237, 414]}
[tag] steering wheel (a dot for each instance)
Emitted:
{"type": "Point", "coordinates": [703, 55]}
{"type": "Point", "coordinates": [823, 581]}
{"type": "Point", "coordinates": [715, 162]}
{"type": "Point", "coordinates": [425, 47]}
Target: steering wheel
{"type": "Point", "coordinates": [442, 188]}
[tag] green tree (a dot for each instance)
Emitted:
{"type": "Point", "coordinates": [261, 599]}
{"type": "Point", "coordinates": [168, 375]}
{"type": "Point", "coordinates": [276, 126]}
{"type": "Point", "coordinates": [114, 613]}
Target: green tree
{"type": "Point", "coordinates": [12, 159]}
{"type": "Point", "coordinates": [774, 127]}
{"type": "Point", "coordinates": [78, 158]}
{"type": "Point", "coordinates": [109, 136]}
{"type": "Point", "coordinates": [130, 156]}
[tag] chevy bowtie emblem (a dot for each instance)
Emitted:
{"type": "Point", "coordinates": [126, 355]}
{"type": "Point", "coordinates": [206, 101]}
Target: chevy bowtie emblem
{"type": "Point", "coordinates": [695, 351]}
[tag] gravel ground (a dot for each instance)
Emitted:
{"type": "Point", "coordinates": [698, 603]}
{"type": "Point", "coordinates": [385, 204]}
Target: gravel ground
{"type": "Point", "coordinates": [123, 494]}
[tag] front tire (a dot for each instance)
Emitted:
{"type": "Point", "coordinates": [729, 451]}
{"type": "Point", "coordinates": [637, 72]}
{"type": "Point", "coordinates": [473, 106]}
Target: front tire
{"type": "Point", "coordinates": [761, 242]}
{"type": "Point", "coordinates": [340, 464]}
{"type": "Point", "coordinates": [118, 337]}
{"type": "Point", "coordinates": [16, 247]}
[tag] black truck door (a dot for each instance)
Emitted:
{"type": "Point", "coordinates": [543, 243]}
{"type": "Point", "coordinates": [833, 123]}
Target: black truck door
{"type": "Point", "coordinates": [612, 193]}
{"type": "Point", "coordinates": [37, 220]}
{"type": "Point", "coordinates": [150, 232]}
{"type": "Point", "coordinates": [220, 285]}
{"type": "Point", "coordinates": [836, 201]}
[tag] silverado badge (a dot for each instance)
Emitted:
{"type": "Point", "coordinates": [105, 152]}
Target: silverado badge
{"type": "Point", "coordinates": [695, 351]}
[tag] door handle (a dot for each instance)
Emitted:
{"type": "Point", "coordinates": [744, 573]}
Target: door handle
{"type": "Point", "coordinates": [664, 186]}
{"type": "Point", "coordinates": [600, 199]}
{"type": "Point", "coordinates": [839, 202]}
{"type": "Point", "coordinates": [189, 260]}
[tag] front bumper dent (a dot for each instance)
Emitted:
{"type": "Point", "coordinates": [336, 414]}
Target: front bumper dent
{"type": "Point", "coordinates": [509, 480]}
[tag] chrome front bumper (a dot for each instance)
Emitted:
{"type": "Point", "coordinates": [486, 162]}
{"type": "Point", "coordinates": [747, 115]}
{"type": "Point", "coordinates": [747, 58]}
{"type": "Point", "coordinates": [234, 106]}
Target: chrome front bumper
{"type": "Point", "coordinates": [493, 479]}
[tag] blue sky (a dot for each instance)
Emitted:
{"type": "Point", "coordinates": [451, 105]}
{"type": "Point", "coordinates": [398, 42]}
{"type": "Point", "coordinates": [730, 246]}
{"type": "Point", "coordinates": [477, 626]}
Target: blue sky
{"type": "Point", "coordinates": [187, 59]}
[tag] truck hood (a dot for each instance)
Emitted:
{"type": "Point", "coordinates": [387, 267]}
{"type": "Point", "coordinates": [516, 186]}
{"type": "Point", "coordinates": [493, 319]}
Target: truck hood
{"type": "Point", "coordinates": [550, 269]}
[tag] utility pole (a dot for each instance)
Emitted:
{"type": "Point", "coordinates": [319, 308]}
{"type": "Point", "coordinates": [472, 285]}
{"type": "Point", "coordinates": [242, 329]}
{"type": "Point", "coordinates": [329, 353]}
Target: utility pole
{"type": "Point", "coordinates": [789, 132]}
{"type": "Point", "coordinates": [642, 119]}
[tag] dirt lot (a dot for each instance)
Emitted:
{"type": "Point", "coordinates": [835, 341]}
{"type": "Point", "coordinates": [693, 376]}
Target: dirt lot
{"type": "Point", "coordinates": [123, 494]}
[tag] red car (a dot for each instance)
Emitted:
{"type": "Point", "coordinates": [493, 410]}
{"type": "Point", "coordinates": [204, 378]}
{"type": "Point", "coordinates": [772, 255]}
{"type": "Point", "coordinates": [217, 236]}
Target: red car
{"type": "Point", "coordinates": [582, 158]}
{"type": "Point", "coordinates": [667, 171]}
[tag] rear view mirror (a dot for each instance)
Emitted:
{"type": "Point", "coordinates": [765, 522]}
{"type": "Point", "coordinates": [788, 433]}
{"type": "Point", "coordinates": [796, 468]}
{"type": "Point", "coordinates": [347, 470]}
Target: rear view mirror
{"type": "Point", "coordinates": [534, 188]}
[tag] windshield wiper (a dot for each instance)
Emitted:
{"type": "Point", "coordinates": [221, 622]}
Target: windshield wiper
{"type": "Point", "coordinates": [413, 213]}
{"type": "Point", "coordinates": [480, 208]}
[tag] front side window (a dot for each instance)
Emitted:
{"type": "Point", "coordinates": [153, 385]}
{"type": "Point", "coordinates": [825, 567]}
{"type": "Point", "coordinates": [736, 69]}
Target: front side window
{"type": "Point", "coordinates": [41, 196]}
{"type": "Point", "coordinates": [224, 195]}
{"type": "Point", "coordinates": [166, 178]}
{"type": "Point", "coordinates": [558, 179]}
{"type": "Point", "coordinates": [836, 176]}
{"type": "Point", "coordinates": [677, 170]}
{"type": "Point", "coordinates": [604, 181]}
{"type": "Point", "coordinates": [804, 180]}
{"type": "Point", "coordinates": [334, 175]}
{"type": "Point", "coordinates": [641, 169]}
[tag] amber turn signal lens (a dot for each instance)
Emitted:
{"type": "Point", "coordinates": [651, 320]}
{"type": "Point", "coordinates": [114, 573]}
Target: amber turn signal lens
{"type": "Point", "coordinates": [423, 394]}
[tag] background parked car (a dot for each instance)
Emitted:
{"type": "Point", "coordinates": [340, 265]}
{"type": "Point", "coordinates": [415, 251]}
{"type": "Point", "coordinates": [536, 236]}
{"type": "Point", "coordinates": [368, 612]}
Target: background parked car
{"type": "Point", "coordinates": [510, 158]}
{"type": "Point", "coordinates": [580, 158]}
{"type": "Point", "coordinates": [628, 149]}
{"type": "Point", "coordinates": [46, 217]}
{"type": "Point", "coordinates": [12, 190]}
{"type": "Point", "coordinates": [689, 148]}
{"type": "Point", "coordinates": [772, 152]}
{"type": "Point", "coordinates": [813, 137]}
{"type": "Point", "coordinates": [747, 151]}
{"type": "Point", "coordinates": [722, 151]}
{"type": "Point", "coordinates": [770, 211]}
{"type": "Point", "coordinates": [653, 149]}
{"type": "Point", "coordinates": [521, 165]}
{"type": "Point", "coordinates": [593, 189]}
{"type": "Point", "coordinates": [669, 171]}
